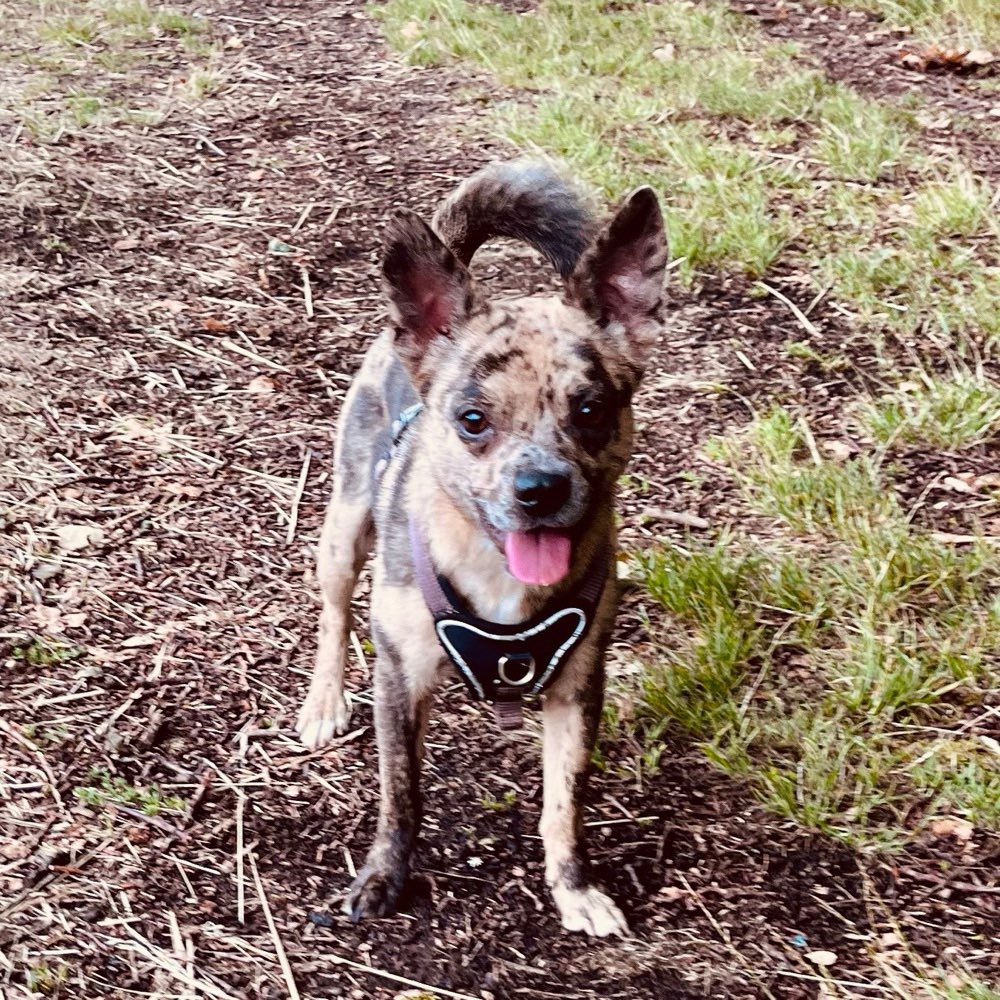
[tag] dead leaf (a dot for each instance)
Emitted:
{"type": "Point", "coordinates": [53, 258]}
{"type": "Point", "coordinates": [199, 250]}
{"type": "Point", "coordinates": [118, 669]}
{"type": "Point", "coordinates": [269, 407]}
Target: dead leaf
{"type": "Point", "coordinates": [15, 851]}
{"type": "Point", "coordinates": [261, 385]}
{"type": "Point", "coordinates": [213, 325]}
{"type": "Point", "coordinates": [824, 959]}
{"type": "Point", "coordinates": [134, 641]}
{"type": "Point", "coordinates": [665, 53]}
{"type": "Point", "coordinates": [75, 619]}
{"type": "Point", "coordinates": [127, 243]}
{"type": "Point", "coordinates": [960, 829]}
{"type": "Point", "coordinates": [133, 429]}
{"type": "Point", "coordinates": [956, 484]}
{"type": "Point", "coordinates": [74, 537]}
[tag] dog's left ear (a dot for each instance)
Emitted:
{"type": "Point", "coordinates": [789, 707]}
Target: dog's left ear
{"type": "Point", "coordinates": [619, 279]}
{"type": "Point", "coordinates": [429, 291]}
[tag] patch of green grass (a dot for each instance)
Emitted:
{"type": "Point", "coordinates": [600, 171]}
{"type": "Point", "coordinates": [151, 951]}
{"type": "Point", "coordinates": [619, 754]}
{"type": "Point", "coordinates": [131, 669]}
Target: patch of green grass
{"type": "Point", "coordinates": [204, 80]}
{"type": "Point", "coordinates": [958, 206]}
{"type": "Point", "coordinates": [493, 804]}
{"type": "Point", "coordinates": [861, 140]}
{"type": "Point", "coordinates": [45, 979]}
{"type": "Point", "coordinates": [78, 54]}
{"type": "Point", "coordinates": [43, 652]}
{"type": "Point", "coordinates": [105, 788]}
{"type": "Point", "coordinates": [968, 23]}
{"type": "Point", "coordinates": [795, 659]}
{"type": "Point", "coordinates": [760, 159]}
{"type": "Point", "coordinates": [944, 412]}
{"type": "Point", "coordinates": [75, 30]}
{"type": "Point", "coordinates": [85, 108]}
{"type": "Point", "coordinates": [624, 97]}
{"type": "Point", "coordinates": [960, 776]}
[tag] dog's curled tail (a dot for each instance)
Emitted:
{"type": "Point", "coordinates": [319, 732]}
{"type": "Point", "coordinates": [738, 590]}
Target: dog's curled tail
{"type": "Point", "coordinates": [526, 200]}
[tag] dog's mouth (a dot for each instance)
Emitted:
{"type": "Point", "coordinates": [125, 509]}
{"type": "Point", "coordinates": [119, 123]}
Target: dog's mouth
{"type": "Point", "coordinates": [540, 557]}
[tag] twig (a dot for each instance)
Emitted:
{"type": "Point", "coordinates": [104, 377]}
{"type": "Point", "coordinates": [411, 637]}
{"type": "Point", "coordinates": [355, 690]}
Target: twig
{"type": "Point", "coordinates": [240, 854]}
{"type": "Point", "coordinates": [302, 217]}
{"type": "Point", "coordinates": [293, 514]}
{"type": "Point", "coordinates": [392, 977]}
{"type": "Point", "coordinates": [230, 345]}
{"type": "Point", "coordinates": [307, 292]}
{"type": "Point", "coordinates": [279, 948]}
{"type": "Point", "coordinates": [191, 349]}
{"type": "Point", "coordinates": [803, 319]}
{"type": "Point", "coordinates": [167, 963]}
{"type": "Point", "coordinates": [724, 935]}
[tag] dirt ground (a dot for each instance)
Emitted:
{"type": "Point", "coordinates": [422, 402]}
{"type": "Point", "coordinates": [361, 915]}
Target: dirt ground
{"type": "Point", "coordinates": [181, 307]}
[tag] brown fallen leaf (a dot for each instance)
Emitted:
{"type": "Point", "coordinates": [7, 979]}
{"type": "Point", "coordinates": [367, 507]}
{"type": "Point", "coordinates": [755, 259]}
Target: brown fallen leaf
{"type": "Point", "coordinates": [960, 829]}
{"type": "Point", "coordinates": [954, 60]}
{"type": "Point", "coordinates": [213, 325]}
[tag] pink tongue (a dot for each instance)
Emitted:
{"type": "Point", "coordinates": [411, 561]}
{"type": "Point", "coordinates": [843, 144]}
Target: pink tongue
{"type": "Point", "coordinates": [538, 557]}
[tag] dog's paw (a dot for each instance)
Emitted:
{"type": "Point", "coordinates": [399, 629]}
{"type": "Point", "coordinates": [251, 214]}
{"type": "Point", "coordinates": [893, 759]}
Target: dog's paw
{"type": "Point", "coordinates": [373, 893]}
{"type": "Point", "coordinates": [324, 715]}
{"type": "Point", "coordinates": [589, 910]}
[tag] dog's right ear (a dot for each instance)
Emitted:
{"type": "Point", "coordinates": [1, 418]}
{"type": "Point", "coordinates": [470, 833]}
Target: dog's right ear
{"type": "Point", "coordinates": [429, 291]}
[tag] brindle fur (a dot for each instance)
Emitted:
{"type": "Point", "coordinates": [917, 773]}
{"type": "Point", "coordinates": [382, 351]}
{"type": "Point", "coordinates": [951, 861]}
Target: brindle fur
{"type": "Point", "coordinates": [526, 363]}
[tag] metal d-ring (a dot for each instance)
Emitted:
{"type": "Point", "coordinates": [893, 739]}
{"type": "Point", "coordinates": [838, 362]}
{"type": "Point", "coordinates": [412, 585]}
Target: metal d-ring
{"type": "Point", "coordinates": [523, 660]}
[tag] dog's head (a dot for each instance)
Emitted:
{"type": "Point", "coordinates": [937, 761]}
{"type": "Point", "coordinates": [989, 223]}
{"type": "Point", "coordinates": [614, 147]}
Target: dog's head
{"type": "Point", "coordinates": [530, 398]}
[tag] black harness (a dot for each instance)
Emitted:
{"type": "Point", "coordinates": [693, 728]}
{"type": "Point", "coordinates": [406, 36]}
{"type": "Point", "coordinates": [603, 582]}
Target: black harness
{"type": "Point", "coordinates": [504, 663]}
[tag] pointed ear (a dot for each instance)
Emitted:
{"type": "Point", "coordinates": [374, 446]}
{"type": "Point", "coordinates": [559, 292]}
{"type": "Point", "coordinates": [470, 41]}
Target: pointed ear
{"type": "Point", "coordinates": [429, 291]}
{"type": "Point", "coordinates": [619, 279]}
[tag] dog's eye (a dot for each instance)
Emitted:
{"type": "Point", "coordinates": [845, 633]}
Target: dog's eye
{"type": "Point", "coordinates": [473, 423]}
{"type": "Point", "coordinates": [590, 413]}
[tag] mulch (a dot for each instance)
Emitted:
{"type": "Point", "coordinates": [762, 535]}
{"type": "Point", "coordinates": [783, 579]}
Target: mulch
{"type": "Point", "coordinates": [183, 306]}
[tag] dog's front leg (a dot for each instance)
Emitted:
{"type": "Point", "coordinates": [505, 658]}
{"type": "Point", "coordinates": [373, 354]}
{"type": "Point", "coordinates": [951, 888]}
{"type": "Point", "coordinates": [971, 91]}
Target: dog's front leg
{"type": "Point", "coordinates": [571, 720]}
{"type": "Point", "coordinates": [403, 692]}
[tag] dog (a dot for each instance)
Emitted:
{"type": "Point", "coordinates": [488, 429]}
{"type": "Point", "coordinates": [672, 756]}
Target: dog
{"type": "Point", "coordinates": [478, 452]}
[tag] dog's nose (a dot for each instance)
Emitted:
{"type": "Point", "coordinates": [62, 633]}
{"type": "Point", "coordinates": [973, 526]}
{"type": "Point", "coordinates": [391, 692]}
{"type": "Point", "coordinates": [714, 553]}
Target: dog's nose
{"type": "Point", "coordinates": [541, 493]}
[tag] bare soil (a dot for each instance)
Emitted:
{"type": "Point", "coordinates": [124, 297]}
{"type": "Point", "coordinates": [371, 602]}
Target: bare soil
{"type": "Point", "coordinates": [182, 307]}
